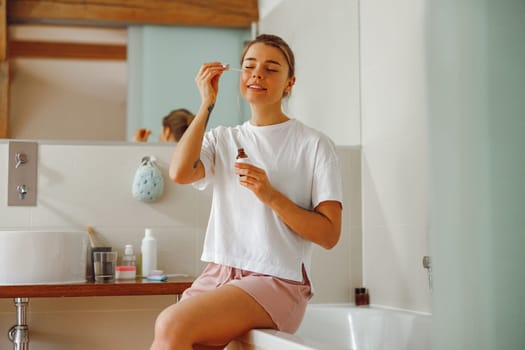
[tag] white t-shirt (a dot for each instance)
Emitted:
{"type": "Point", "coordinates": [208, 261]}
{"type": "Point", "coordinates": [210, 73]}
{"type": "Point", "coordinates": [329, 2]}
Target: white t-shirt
{"type": "Point", "coordinates": [242, 231]}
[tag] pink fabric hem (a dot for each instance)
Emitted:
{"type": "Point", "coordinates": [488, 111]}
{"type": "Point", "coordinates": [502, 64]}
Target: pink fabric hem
{"type": "Point", "coordinates": [284, 300]}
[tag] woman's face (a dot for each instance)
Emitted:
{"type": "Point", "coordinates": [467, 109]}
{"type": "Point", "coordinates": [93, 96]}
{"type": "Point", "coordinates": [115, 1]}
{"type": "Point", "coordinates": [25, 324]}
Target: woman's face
{"type": "Point", "coordinates": [264, 78]}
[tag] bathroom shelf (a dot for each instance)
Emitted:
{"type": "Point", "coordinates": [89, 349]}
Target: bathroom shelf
{"type": "Point", "coordinates": [172, 286]}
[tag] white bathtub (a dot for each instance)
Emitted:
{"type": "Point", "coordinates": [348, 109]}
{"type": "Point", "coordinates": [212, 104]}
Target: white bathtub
{"type": "Point", "coordinates": [345, 327]}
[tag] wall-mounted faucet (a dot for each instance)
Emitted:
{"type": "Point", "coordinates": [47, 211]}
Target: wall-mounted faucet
{"type": "Point", "coordinates": [22, 173]}
{"type": "Point", "coordinates": [427, 264]}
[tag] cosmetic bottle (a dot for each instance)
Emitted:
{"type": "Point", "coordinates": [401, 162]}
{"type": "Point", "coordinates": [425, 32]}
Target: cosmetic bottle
{"type": "Point", "coordinates": [358, 297]}
{"type": "Point", "coordinates": [361, 296]}
{"type": "Point", "coordinates": [149, 253]}
{"type": "Point", "coordinates": [129, 258]}
{"type": "Point", "coordinates": [242, 157]}
{"type": "Point", "coordinates": [128, 267]}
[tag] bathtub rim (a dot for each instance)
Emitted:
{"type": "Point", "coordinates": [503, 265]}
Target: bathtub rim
{"type": "Point", "coordinates": [269, 338]}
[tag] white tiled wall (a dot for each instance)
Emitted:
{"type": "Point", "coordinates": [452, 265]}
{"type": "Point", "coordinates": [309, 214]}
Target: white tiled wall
{"type": "Point", "coordinates": [395, 153]}
{"type": "Point", "coordinates": [90, 184]}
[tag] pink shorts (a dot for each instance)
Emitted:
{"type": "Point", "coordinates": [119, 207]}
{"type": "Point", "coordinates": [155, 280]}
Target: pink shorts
{"type": "Point", "coordinates": [284, 300]}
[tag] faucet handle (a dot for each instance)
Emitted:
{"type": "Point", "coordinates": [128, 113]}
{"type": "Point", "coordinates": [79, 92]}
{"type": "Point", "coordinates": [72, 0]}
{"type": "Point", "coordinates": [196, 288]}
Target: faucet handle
{"type": "Point", "coordinates": [22, 191]}
{"type": "Point", "coordinates": [20, 158]}
{"type": "Point", "coordinates": [427, 262]}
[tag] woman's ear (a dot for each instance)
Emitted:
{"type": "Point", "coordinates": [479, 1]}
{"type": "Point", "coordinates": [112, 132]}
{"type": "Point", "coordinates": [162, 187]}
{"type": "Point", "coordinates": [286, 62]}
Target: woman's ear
{"type": "Point", "coordinates": [289, 86]}
{"type": "Point", "coordinates": [165, 135]}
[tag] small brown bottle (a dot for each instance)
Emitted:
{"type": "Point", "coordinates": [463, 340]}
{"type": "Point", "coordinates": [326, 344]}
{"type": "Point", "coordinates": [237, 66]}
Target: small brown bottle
{"type": "Point", "coordinates": [358, 297]}
{"type": "Point", "coordinates": [242, 157]}
{"type": "Point", "coordinates": [361, 296]}
{"type": "Point", "coordinates": [241, 154]}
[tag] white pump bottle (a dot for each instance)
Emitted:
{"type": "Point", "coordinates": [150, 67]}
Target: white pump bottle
{"type": "Point", "coordinates": [149, 253]}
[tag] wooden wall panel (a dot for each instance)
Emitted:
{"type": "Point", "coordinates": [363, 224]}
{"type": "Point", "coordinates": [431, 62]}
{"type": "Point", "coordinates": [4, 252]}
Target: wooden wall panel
{"type": "Point", "coordinates": [215, 13]}
{"type": "Point", "coordinates": [3, 31]}
{"type": "Point", "coordinates": [4, 99]}
{"type": "Point", "coordinates": [48, 49]}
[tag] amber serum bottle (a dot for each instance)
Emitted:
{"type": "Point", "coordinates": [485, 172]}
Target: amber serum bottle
{"type": "Point", "coordinates": [241, 155]}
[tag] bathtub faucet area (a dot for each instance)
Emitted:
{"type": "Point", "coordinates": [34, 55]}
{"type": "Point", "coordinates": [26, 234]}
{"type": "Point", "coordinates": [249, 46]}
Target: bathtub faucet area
{"type": "Point", "coordinates": [427, 264]}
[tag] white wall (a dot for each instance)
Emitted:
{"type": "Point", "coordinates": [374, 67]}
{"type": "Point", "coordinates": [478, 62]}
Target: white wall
{"type": "Point", "coordinates": [395, 159]}
{"type": "Point", "coordinates": [90, 184]}
{"type": "Point", "coordinates": [325, 39]}
{"type": "Point", "coordinates": [361, 79]}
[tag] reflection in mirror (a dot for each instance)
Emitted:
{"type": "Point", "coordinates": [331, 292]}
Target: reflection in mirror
{"type": "Point", "coordinates": [160, 63]}
{"type": "Point", "coordinates": [57, 92]}
{"type": "Point", "coordinates": [163, 62]}
{"type": "Point", "coordinates": [99, 96]}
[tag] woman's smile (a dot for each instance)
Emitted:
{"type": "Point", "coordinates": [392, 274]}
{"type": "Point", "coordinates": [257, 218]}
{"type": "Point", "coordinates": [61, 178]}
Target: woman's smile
{"type": "Point", "coordinates": [256, 88]}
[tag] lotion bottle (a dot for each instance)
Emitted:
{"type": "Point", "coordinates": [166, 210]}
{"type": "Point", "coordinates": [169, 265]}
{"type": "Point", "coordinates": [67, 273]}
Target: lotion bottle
{"type": "Point", "coordinates": [149, 253]}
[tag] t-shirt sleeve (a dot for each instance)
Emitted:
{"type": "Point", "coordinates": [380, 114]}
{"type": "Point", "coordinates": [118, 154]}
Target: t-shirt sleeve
{"type": "Point", "coordinates": [327, 180]}
{"type": "Point", "coordinates": [207, 158]}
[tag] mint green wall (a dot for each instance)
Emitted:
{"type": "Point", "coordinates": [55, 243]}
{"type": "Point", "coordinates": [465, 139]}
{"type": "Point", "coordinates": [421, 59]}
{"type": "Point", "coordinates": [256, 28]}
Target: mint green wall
{"type": "Point", "coordinates": [162, 64]}
{"type": "Point", "coordinates": [476, 70]}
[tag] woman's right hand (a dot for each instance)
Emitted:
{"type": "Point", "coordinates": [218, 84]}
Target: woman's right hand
{"type": "Point", "coordinates": [141, 135]}
{"type": "Point", "coordinates": [207, 81]}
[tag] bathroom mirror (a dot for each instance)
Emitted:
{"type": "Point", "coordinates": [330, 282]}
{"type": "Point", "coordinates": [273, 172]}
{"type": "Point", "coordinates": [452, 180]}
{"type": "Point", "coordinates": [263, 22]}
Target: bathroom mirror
{"type": "Point", "coordinates": [162, 61]}
{"type": "Point", "coordinates": [57, 90]}
{"type": "Point", "coordinates": [106, 98]}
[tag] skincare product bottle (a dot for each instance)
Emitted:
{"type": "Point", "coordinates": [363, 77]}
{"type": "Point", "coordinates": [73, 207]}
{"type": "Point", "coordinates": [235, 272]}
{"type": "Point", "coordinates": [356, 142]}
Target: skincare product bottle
{"type": "Point", "coordinates": [149, 253]}
{"type": "Point", "coordinates": [129, 258]}
{"type": "Point", "coordinates": [358, 297]}
{"type": "Point", "coordinates": [241, 155]}
{"type": "Point", "coordinates": [361, 296]}
{"type": "Point", "coordinates": [128, 269]}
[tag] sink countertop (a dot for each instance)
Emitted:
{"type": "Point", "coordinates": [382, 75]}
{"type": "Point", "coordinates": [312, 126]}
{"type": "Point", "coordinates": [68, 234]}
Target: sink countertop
{"type": "Point", "coordinates": [139, 286]}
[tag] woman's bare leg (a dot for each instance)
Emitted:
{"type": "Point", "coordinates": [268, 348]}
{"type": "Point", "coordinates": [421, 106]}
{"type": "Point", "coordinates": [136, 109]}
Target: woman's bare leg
{"type": "Point", "coordinates": [212, 318]}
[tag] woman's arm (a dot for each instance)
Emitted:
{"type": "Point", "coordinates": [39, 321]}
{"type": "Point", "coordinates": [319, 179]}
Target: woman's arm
{"type": "Point", "coordinates": [321, 226]}
{"type": "Point", "coordinates": [186, 166]}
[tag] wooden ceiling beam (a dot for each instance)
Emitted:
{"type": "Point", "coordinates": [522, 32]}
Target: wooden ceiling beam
{"type": "Point", "coordinates": [216, 13]}
{"type": "Point", "coordinates": [4, 73]}
{"type": "Point", "coordinates": [4, 99]}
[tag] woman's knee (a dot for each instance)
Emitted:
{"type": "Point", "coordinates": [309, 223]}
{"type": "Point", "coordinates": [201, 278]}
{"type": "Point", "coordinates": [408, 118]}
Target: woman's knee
{"type": "Point", "coordinates": [170, 326]}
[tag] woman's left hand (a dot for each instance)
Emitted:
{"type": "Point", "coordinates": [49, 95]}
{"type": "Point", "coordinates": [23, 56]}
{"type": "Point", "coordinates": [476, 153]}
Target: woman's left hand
{"type": "Point", "coordinates": [255, 179]}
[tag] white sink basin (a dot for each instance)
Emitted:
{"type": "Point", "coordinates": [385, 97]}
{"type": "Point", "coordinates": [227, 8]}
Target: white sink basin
{"type": "Point", "coordinates": [42, 257]}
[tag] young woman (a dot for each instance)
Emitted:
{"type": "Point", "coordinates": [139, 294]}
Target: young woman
{"type": "Point", "coordinates": [265, 212]}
